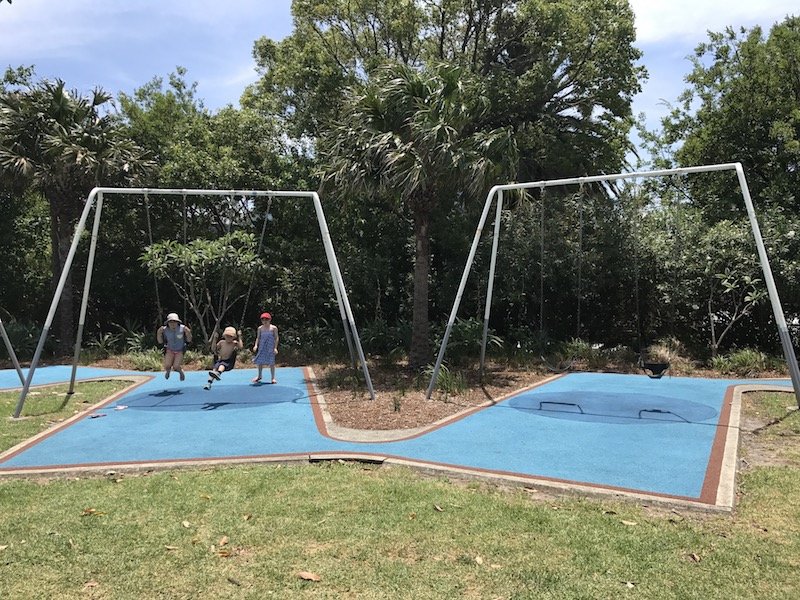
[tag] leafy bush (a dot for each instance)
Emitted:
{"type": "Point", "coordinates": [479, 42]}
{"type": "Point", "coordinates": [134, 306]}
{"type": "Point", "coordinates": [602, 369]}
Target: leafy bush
{"type": "Point", "coordinates": [147, 360]}
{"type": "Point", "coordinates": [465, 340]}
{"type": "Point", "coordinates": [580, 350]}
{"type": "Point", "coordinates": [450, 383]}
{"type": "Point", "coordinates": [132, 336]}
{"type": "Point", "coordinates": [104, 345]}
{"type": "Point", "coordinates": [746, 362]}
{"type": "Point", "coordinates": [379, 338]}
{"type": "Point", "coordinates": [23, 338]}
{"type": "Point", "coordinates": [317, 341]}
{"type": "Point", "coordinates": [191, 357]}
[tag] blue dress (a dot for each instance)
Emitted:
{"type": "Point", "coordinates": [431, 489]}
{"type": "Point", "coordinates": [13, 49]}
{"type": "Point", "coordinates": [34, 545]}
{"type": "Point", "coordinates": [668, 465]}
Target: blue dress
{"type": "Point", "coordinates": [266, 348]}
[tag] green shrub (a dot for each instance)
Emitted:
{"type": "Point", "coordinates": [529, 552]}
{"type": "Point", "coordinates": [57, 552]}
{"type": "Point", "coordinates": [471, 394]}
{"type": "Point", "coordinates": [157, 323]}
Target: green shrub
{"type": "Point", "coordinates": [450, 383]}
{"type": "Point", "coordinates": [746, 362]}
{"type": "Point", "coordinates": [380, 338]}
{"type": "Point", "coordinates": [147, 360]}
{"type": "Point", "coordinates": [465, 340]}
{"type": "Point", "coordinates": [133, 337]}
{"type": "Point", "coordinates": [23, 338]}
{"type": "Point", "coordinates": [104, 345]}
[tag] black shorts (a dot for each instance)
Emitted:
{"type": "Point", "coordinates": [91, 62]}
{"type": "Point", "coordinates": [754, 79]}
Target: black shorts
{"type": "Point", "coordinates": [228, 363]}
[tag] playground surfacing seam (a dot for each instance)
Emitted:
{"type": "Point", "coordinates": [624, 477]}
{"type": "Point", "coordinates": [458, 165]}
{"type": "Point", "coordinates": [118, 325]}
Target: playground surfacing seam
{"type": "Point", "coordinates": [671, 441]}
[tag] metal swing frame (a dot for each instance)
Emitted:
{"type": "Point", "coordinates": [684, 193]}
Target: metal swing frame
{"type": "Point", "coordinates": [95, 200]}
{"type": "Point", "coordinates": [10, 349]}
{"type": "Point", "coordinates": [497, 193]}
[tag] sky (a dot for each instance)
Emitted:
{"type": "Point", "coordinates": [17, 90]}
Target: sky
{"type": "Point", "coordinates": [120, 45]}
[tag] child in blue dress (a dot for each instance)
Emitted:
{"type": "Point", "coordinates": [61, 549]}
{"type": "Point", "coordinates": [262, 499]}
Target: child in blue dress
{"type": "Point", "coordinates": [266, 346]}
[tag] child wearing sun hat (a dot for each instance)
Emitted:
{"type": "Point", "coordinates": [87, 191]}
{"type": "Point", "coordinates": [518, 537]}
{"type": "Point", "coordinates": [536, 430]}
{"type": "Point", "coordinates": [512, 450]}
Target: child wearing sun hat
{"type": "Point", "coordinates": [224, 354]}
{"type": "Point", "coordinates": [174, 336]}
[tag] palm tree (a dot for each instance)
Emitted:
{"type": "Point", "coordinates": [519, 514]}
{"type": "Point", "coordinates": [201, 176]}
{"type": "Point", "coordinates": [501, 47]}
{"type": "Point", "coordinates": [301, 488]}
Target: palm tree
{"type": "Point", "coordinates": [416, 135]}
{"type": "Point", "coordinates": [61, 145]}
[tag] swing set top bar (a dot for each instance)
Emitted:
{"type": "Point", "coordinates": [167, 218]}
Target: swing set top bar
{"type": "Point", "coordinates": [595, 178]}
{"type": "Point", "coordinates": [196, 192]}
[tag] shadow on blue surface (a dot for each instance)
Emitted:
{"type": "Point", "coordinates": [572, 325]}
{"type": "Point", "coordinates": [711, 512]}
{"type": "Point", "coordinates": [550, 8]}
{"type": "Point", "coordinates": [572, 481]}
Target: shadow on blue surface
{"type": "Point", "coordinates": [195, 398]}
{"type": "Point", "coordinates": [618, 407]}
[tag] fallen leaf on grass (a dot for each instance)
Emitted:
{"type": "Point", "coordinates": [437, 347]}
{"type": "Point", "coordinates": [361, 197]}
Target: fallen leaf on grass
{"type": "Point", "coordinates": [629, 523]}
{"type": "Point", "coordinates": [247, 517]}
{"type": "Point", "coordinates": [309, 576]}
{"type": "Point", "coordinates": [412, 516]}
{"type": "Point", "coordinates": [205, 496]}
{"type": "Point", "coordinates": [223, 541]}
{"type": "Point", "coordinates": [186, 524]}
{"type": "Point", "coordinates": [629, 584]}
{"type": "Point", "coordinates": [90, 584]}
{"type": "Point", "coordinates": [90, 512]}
{"type": "Point", "coordinates": [170, 547]}
{"type": "Point", "coordinates": [4, 546]}
{"type": "Point", "coordinates": [234, 581]}
{"type": "Point", "coordinates": [479, 560]}
{"type": "Point", "coordinates": [438, 508]}
{"type": "Point", "coordinates": [695, 557]}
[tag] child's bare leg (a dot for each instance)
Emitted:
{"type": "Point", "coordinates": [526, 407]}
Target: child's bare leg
{"type": "Point", "coordinates": [272, 372]}
{"type": "Point", "coordinates": [177, 365]}
{"type": "Point", "coordinates": [258, 378]}
{"type": "Point", "coordinates": [169, 358]}
{"type": "Point", "coordinates": [214, 374]}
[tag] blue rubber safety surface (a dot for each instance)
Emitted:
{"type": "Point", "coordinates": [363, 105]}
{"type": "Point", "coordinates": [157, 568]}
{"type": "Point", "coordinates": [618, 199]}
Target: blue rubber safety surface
{"type": "Point", "coordinates": [601, 429]}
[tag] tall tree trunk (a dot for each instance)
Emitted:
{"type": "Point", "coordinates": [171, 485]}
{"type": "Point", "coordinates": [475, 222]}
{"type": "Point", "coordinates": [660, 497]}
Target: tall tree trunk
{"type": "Point", "coordinates": [61, 232]}
{"type": "Point", "coordinates": [420, 327]}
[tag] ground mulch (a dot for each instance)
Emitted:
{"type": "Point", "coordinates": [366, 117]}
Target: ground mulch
{"type": "Point", "coordinates": [400, 401]}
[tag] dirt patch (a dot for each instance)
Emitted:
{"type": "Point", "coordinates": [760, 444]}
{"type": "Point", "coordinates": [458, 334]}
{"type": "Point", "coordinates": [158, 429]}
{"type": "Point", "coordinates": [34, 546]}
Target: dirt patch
{"type": "Point", "coordinates": [400, 401]}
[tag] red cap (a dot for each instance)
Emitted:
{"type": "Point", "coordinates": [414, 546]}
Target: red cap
{"type": "Point", "coordinates": [266, 316]}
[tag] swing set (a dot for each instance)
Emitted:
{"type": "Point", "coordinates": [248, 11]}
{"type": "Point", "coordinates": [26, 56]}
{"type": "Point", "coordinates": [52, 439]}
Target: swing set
{"type": "Point", "coordinates": [243, 201]}
{"type": "Point", "coordinates": [95, 201]}
{"type": "Point", "coordinates": [653, 369]}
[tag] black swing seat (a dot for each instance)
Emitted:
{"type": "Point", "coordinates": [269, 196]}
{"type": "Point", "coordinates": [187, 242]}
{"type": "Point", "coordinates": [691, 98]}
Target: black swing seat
{"type": "Point", "coordinates": [654, 370]}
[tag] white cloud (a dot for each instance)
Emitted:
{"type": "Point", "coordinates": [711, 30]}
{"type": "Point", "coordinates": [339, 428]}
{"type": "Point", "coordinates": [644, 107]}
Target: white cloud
{"type": "Point", "coordinates": [689, 20]}
{"type": "Point", "coordinates": [35, 28]}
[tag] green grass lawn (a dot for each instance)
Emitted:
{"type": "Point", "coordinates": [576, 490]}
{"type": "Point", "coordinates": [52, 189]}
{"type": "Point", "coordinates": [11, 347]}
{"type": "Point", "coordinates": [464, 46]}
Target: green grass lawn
{"type": "Point", "coordinates": [250, 532]}
{"type": "Point", "coordinates": [48, 405]}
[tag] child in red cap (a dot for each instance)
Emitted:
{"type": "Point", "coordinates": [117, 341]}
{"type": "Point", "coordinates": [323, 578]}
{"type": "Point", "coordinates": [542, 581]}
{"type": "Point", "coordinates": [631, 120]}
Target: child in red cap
{"type": "Point", "coordinates": [266, 346]}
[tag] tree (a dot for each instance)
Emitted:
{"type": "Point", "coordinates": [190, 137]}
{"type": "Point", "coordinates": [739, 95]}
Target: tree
{"type": "Point", "coordinates": [743, 104]}
{"type": "Point", "coordinates": [562, 73]}
{"type": "Point", "coordinates": [412, 136]}
{"type": "Point", "coordinates": [227, 149]}
{"type": "Point", "coordinates": [61, 144]}
{"type": "Point", "coordinates": [557, 76]}
{"type": "Point", "coordinates": [210, 275]}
